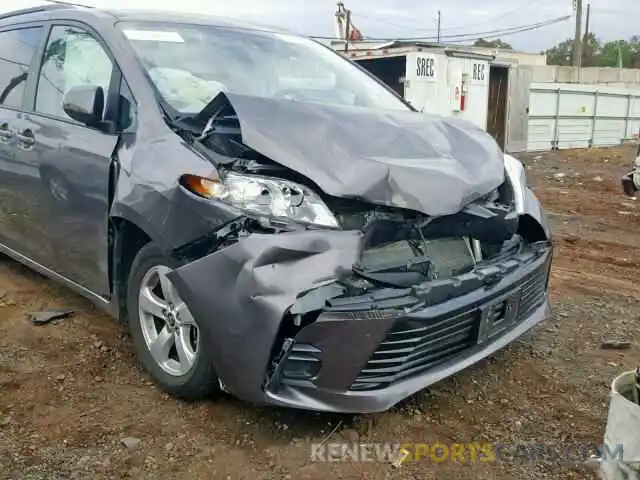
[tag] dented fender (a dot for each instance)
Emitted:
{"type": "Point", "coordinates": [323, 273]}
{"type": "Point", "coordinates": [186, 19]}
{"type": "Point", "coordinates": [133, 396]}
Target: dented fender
{"type": "Point", "coordinates": [241, 293]}
{"type": "Point", "coordinates": [533, 208]}
{"type": "Point", "coordinates": [526, 202]}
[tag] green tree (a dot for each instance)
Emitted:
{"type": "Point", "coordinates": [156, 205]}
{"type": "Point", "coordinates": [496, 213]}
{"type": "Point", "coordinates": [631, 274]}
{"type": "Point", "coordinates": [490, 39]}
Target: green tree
{"type": "Point", "coordinates": [481, 42]}
{"type": "Point", "coordinates": [625, 53]}
{"type": "Point", "coordinates": [615, 54]}
{"type": "Point", "coordinates": [562, 54]}
{"type": "Point", "coordinates": [598, 54]}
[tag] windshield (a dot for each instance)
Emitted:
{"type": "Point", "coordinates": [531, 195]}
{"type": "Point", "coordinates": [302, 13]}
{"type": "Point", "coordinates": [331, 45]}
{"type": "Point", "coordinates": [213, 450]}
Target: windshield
{"type": "Point", "coordinates": [191, 64]}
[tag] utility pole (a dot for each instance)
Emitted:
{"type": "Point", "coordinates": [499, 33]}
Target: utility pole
{"type": "Point", "coordinates": [347, 31]}
{"type": "Point", "coordinates": [438, 27]}
{"type": "Point", "coordinates": [577, 40]}
{"type": "Point", "coordinates": [585, 39]}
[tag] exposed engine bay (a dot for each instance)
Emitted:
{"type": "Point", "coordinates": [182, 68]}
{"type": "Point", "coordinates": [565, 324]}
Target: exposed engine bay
{"type": "Point", "coordinates": [400, 247]}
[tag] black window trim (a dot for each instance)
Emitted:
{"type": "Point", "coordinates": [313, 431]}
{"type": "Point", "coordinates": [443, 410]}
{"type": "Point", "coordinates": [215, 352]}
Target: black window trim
{"type": "Point", "coordinates": [34, 61]}
{"type": "Point", "coordinates": [134, 105]}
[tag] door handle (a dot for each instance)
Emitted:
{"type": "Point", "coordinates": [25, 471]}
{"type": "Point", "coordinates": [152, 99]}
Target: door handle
{"type": "Point", "coordinates": [5, 133]}
{"type": "Point", "coordinates": [26, 139]}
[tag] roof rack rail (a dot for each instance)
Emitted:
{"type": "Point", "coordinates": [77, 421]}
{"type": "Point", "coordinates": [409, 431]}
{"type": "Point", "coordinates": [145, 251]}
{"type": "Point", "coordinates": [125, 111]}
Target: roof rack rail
{"type": "Point", "coordinates": [26, 11]}
{"type": "Point", "coordinates": [51, 5]}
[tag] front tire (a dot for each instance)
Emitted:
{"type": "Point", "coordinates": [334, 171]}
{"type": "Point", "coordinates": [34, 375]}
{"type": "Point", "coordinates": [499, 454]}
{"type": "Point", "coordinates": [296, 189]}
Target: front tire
{"type": "Point", "coordinates": [167, 338]}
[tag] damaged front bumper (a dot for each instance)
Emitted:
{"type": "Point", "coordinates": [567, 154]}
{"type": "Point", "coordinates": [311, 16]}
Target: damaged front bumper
{"type": "Point", "coordinates": [254, 301]}
{"type": "Point", "coordinates": [366, 354]}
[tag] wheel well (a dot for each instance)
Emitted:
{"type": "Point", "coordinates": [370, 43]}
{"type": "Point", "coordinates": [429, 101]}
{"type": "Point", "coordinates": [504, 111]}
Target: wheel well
{"type": "Point", "coordinates": [127, 241]}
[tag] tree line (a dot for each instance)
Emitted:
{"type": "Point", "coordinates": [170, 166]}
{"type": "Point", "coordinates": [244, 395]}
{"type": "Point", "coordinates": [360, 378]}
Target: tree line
{"type": "Point", "coordinates": [595, 52]}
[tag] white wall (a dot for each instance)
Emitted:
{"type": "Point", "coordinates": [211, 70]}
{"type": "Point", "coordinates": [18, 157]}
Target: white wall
{"type": "Point", "coordinates": [434, 93]}
{"type": "Point", "coordinates": [426, 91]}
{"type": "Point", "coordinates": [478, 95]}
{"type": "Point", "coordinates": [588, 75]}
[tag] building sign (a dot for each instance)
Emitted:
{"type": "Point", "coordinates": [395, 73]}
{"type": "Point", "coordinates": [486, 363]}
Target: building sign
{"type": "Point", "coordinates": [480, 72]}
{"type": "Point", "coordinates": [426, 67]}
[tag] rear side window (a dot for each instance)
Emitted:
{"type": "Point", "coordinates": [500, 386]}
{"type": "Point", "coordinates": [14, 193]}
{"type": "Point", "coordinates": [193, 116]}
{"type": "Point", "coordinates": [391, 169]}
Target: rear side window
{"type": "Point", "coordinates": [73, 57]}
{"type": "Point", "coordinates": [17, 49]}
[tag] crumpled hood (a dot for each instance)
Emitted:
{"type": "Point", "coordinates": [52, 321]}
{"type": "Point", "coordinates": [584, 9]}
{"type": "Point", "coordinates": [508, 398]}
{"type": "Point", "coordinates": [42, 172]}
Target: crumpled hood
{"type": "Point", "coordinates": [431, 164]}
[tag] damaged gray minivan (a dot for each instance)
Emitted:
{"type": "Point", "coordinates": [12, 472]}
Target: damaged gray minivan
{"type": "Point", "coordinates": [268, 218]}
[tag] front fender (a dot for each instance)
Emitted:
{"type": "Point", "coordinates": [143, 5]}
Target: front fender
{"type": "Point", "coordinates": [240, 295]}
{"type": "Point", "coordinates": [533, 208]}
{"type": "Point", "coordinates": [526, 202]}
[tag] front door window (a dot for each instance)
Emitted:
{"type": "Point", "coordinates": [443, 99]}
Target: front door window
{"type": "Point", "coordinates": [73, 57]}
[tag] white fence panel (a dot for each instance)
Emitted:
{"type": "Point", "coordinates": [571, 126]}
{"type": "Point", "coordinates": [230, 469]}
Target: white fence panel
{"type": "Point", "coordinates": [543, 105]}
{"type": "Point", "coordinates": [633, 128]}
{"type": "Point", "coordinates": [573, 132]}
{"type": "Point", "coordinates": [612, 105]}
{"type": "Point", "coordinates": [607, 132]}
{"type": "Point", "coordinates": [581, 116]}
{"type": "Point", "coordinates": [540, 134]}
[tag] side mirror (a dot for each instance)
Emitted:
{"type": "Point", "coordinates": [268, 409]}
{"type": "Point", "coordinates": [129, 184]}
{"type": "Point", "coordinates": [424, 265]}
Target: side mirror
{"type": "Point", "coordinates": [85, 104]}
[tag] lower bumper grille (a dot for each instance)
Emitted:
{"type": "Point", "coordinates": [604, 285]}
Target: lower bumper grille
{"type": "Point", "coordinates": [414, 345]}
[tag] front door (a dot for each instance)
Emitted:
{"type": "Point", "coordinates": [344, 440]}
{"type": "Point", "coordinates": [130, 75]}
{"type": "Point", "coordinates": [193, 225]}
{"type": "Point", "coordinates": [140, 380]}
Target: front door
{"type": "Point", "coordinates": [18, 52]}
{"type": "Point", "coordinates": [72, 160]}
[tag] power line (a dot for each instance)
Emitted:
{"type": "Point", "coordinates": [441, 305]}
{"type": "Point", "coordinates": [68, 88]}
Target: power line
{"type": "Point", "coordinates": [455, 27]}
{"type": "Point", "coordinates": [492, 19]}
{"type": "Point", "coordinates": [471, 36]}
{"type": "Point", "coordinates": [501, 31]}
{"type": "Point", "coordinates": [515, 31]}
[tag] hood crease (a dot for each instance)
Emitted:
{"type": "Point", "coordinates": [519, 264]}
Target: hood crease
{"type": "Point", "coordinates": [427, 163]}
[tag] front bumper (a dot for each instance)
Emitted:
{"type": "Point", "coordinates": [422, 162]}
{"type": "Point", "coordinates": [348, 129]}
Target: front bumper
{"type": "Point", "coordinates": [383, 399]}
{"type": "Point", "coordinates": [363, 361]}
{"type": "Point", "coordinates": [361, 354]}
{"type": "Point", "coordinates": [356, 354]}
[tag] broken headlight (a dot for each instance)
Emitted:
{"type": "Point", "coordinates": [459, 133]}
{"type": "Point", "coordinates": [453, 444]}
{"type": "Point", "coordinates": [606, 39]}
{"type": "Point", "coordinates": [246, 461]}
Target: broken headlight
{"type": "Point", "coordinates": [271, 197]}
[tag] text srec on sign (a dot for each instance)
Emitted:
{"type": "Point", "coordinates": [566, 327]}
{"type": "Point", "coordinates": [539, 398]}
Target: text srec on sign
{"type": "Point", "coordinates": [426, 67]}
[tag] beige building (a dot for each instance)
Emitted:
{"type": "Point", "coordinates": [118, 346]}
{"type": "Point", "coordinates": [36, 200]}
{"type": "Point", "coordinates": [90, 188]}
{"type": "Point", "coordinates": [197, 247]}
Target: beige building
{"type": "Point", "coordinates": [511, 57]}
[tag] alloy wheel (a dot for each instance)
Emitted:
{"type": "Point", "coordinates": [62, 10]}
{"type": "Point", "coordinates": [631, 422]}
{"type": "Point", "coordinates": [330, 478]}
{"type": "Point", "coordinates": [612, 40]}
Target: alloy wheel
{"type": "Point", "coordinates": [169, 330]}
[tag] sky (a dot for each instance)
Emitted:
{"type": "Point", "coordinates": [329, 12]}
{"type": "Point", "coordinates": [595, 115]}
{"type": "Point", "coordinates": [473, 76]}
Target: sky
{"type": "Point", "coordinates": [610, 19]}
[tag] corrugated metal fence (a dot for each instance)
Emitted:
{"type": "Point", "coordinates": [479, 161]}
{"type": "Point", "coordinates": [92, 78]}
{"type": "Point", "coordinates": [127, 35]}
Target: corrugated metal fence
{"type": "Point", "coordinates": [563, 115]}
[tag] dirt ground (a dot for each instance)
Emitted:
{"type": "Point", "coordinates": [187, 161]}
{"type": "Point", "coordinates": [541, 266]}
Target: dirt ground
{"type": "Point", "coordinates": [71, 391]}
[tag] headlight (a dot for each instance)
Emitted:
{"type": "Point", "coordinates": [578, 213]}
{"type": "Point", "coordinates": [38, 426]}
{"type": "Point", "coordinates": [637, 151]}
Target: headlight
{"type": "Point", "coordinates": [518, 180]}
{"type": "Point", "coordinates": [271, 197]}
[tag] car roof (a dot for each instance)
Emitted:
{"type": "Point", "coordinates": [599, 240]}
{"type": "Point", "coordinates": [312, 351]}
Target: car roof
{"type": "Point", "coordinates": [60, 10]}
{"type": "Point", "coordinates": [183, 17]}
